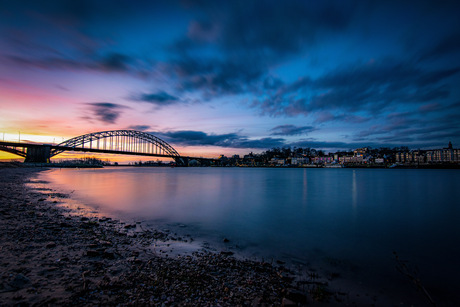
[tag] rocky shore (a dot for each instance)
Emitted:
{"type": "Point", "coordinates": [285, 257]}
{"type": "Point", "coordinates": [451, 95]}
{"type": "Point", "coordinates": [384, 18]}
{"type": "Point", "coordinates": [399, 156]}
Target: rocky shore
{"type": "Point", "coordinates": [51, 256]}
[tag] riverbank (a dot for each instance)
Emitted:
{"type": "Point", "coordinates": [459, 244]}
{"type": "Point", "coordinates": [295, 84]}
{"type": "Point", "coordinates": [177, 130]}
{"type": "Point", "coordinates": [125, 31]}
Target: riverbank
{"type": "Point", "coordinates": [53, 256]}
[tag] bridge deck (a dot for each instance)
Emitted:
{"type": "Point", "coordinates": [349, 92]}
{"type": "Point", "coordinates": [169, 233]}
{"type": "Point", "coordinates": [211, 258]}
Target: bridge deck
{"type": "Point", "coordinates": [95, 150]}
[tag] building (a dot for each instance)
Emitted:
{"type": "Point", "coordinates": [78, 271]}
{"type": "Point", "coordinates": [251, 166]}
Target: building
{"type": "Point", "coordinates": [299, 161]}
{"type": "Point", "coordinates": [444, 155]}
{"type": "Point", "coordinates": [351, 159]}
{"type": "Point", "coordinates": [322, 160]}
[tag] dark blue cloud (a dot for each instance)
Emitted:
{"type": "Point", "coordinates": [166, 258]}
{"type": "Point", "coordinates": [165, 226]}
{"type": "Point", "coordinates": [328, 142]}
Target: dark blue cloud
{"type": "Point", "coordinates": [214, 77]}
{"type": "Point", "coordinates": [380, 139]}
{"type": "Point", "coordinates": [326, 116]}
{"type": "Point", "coordinates": [231, 140]}
{"type": "Point", "coordinates": [370, 87]}
{"type": "Point", "coordinates": [112, 62]}
{"type": "Point", "coordinates": [262, 143]}
{"type": "Point", "coordinates": [247, 38]}
{"type": "Point", "coordinates": [291, 130]}
{"type": "Point", "coordinates": [197, 138]}
{"type": "Point", "coordinates": [115, 62]}
{"type": "Point", "coordinates": [271, 28]}
{"type": "Point", "coordinates": [139, 127]}
{"type": "Point", "coordinates": [437, 127]}
{"type": "Point", "coordinates": [446, 46]}
{"type": "Point", "coordinates": [106, 112]}
{"type": "Point", "coordinates": [160, 98]}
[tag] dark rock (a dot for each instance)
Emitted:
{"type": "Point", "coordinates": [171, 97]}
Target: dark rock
{"type": "Point", "coordinates": [19, 281]}
{"type": "Point", "coordinates": [92, 253]}
{"type": "Point", "coordinates": [51, 245]}
{"type": "Point", "coordinates": [228, 253]}
{"type": "Point", "coordinates": [108, 255]}
{"type": "Point", "coordinates": [226, 240]}
{"type": "Point", "coordinates": [106, 243]}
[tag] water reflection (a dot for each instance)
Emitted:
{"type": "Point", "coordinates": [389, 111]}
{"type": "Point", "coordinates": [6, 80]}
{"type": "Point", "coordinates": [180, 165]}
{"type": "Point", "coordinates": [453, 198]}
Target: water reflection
{"type": "Point", "coordinates": [361, 216]}
{"type": "Point", "coordinates": [305, 187]}
{"type": "Point", "coordinates": [354, 193]}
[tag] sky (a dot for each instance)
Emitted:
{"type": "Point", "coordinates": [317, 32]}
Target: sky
{"type": "Point", "coordinates": [231, 77]}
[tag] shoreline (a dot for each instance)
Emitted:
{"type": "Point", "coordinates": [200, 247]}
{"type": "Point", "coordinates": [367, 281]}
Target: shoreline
{"type": "Point", "coordinates": [423, 166]}
{"type": "Point", "coordinates": [51, 255]}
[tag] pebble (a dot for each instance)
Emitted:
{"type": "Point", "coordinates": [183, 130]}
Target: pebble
{"type": "Point", "coordinates": [19, 281]}
{"type": "Point", "coordinates": [51, 245]}
{"type": "Point", "coordinates": [92, 253]}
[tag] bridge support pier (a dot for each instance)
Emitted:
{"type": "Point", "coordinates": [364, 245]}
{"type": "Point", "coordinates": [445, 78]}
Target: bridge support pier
{"type": "Point", "coordinates": [38, 154]}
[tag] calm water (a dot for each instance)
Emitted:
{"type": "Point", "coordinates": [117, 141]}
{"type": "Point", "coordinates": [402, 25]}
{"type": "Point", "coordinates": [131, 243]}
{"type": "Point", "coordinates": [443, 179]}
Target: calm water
{"type": "Point", "coordinates": [346, 220]}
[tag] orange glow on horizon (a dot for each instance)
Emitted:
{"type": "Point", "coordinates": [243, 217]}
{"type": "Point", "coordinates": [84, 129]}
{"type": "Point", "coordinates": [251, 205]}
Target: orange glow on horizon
{"type": "Point", "coordinates": [190, 151]}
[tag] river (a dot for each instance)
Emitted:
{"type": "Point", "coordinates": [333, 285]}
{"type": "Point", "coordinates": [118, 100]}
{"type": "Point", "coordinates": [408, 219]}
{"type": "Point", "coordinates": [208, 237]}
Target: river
{"type": "Point", "coordinates": [347, 222]}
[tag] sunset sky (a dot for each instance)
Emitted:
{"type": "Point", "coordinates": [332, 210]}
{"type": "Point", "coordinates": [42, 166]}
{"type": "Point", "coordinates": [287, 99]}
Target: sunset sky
{"type": "Point", "coordinates": [224, 77]}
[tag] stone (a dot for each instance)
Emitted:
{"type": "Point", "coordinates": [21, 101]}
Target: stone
{"type": "Point", "coordinates": [105, 243]}
{"type": "Point", "coordinates": [228, 253]}
{"type": "Point", "coordinates": [108, 255]}
{"type": "Point", "coordinates": [51, 245]}
{"type": "Point", "coordinates": [92, 253]}
{"type": "Point", "coordinates": [19, 281]}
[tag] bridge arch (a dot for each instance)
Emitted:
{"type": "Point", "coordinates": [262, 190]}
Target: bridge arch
{"type": "Point", "coordinates": [129, 141]}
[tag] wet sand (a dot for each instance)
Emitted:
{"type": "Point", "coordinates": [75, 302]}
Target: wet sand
{"type": "Point", "coordinates": [52, 256]}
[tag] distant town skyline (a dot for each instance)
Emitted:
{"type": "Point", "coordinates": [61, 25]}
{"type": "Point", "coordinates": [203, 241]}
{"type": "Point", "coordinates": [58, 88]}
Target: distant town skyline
{"type": "Point", "coordinates": [230, 77]}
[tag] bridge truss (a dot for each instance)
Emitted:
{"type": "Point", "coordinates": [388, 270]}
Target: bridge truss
{"type": "Point", "coordinates": [129, 141]}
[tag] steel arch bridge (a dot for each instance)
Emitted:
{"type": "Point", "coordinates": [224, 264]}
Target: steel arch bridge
{"type": "Point", "coordinates": [120, 140]}
{"type": "Point", "coordinates": [129, 142]}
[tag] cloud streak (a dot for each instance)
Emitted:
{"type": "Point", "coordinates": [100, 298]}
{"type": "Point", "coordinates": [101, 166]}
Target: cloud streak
{"type": "Point", "coordinates": [370, 87]}
{"type": "Point", "coordinates": [229, 140]}
{"type": "Point", "coordinates": [291, 130]}
{"type": "Point", "coordinates": [106, 112]}
{"type": "Point", "coordinates": [108, 63]}
{"type": "Point", "coordinates": [139, 127]}
{"type": "Point", "coordinates": [160, 98]}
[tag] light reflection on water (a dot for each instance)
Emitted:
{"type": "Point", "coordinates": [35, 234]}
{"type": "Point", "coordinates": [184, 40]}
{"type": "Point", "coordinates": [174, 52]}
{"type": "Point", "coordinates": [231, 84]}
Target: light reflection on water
{"type": "Point", "coordinates": [358, 215]}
